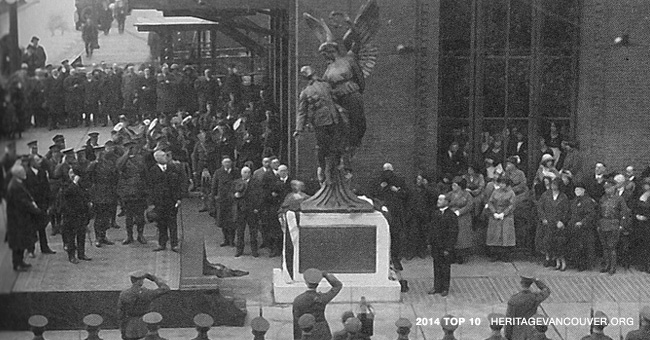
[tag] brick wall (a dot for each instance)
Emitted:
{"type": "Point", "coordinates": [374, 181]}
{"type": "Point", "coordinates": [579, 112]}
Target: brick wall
{"type": "Point", "coordinates": [613, 121]}
{"type": "Point", "coordinates": [390, 90]}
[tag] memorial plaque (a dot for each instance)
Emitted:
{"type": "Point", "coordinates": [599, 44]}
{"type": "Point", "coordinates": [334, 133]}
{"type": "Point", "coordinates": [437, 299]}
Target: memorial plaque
{"type": "Point", "coordinates": [339, 248]}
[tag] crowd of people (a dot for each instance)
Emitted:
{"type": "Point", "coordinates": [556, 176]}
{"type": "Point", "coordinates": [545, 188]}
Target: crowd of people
{"type": "Point", "coordinates": [234, 126]}
{"type": "Point", "coordinates": [569, 214]}
{"type": "Point", "coordinates": [68, 96]}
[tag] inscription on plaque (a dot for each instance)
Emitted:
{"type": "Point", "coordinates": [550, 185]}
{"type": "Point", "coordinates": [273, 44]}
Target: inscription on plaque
{"type": "Point", "coordinates": [339, 248]}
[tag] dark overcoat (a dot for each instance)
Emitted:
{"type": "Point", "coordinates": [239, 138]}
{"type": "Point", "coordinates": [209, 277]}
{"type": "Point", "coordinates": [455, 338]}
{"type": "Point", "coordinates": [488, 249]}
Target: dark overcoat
{"type": "Point", "coordinates": [21, 212]}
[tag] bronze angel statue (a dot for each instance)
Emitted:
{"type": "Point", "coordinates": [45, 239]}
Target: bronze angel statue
{"type": "Point", "coordinates": [343, 83]}
{"type": "Point", "coordinates": [349, 64]}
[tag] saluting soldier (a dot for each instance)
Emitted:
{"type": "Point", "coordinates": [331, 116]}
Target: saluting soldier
{"type": "Point", "coordinates": [75, 208]}
{"type": "Point", "coordinates": [643, 333]}
{"type": "Point", "coordinates": [135, 302]}
{"type": "Point", "coordinates": [582, 224]}
{"type": "Point", "coordinates": [58, 181]}
{"type": "Point", "coordinates": [314, 303]}
{"type": "Point", "coordinates": [600, 322]}
{"type": "Point", "coordinates": [524, 305]}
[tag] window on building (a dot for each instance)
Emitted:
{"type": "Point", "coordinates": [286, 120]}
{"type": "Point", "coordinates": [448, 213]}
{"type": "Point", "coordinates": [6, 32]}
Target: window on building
{"type": "Point", "coordinates": [507, 66]}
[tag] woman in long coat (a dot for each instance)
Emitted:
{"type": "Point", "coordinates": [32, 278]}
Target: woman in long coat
{"type": "Point", "coordinates": [553, 213]}
{"type": "Point", "coordinates": [501, 223]}
{"type": "Point", "coordinates": [21, 209]}
{"type": "Point", "coordinates": [461, 202]}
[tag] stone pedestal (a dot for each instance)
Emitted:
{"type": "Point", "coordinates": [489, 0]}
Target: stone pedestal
{"type": "Point", "coordinates": [353, 246]}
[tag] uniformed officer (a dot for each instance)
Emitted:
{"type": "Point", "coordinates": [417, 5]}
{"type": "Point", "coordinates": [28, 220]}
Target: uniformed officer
{"type": "Point", "coordinates": [496, 320]}
{"type": "Point", "coordinates": [540, 328]}
{"type": "Point", "coordinates": [600, 322]}
{"type": "Point", "coordinates": [643, 333]}
{"type": "Point", "coordinates": [33, 147]}
{"type": "Point", "coordinates": [313, 302]}
{"type": "Point", "coordinates": [613, 217]}
{"type": "Point", "coordinates": [135, 302]}
{"type": "Point", "coordinates": [91, 143]}
{"type": "Point", "coordinates": [58, 182]}
{"type": "Point", "coordinates": [131, 189]}
{"type": "Point", "coordinates": [449, 324]}
{"type": "Point", "coordinates": [582, 225]}
{"type": "Point", "coordinates": [524, 305]}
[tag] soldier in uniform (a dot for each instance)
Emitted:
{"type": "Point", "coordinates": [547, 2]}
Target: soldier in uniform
{"type": "Point", "coordinates": [643, 333]}
{"type": "Point", "coordinates": [600, 322]}
{"type": "Point", "coordinates": [91, 143]}
{"type": "Point", "coordinates": [102, 173]}
{"type": "Point", "coordinates": [612, 218]}
{"type": "Point", "coordinates": [314, 303]}
{"type": "Point", "coordinates": [318, 110]}
{"type": "Point", "coordinates": [582, 224]}
{"type": "Point", "coordinates": [58, 181]}
{"type": "Point", "coordinates": [75, 208]}
{"type": "Point", "coordinates": [495, 320]}
{"type": "Point", "coordinates": [449, 325]}
{"type": "Point", "coordinates": [135, 302]}
{"type": "Point", "coordinates": [524, 305]}
{"type": "Point", "coordinates": [82, 162]}
{"type": "Point", "coordinates": [131, 190]}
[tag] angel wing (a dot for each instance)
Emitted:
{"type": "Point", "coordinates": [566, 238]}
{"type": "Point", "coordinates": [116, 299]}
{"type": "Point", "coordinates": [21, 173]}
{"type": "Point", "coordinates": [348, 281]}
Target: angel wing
{"type": "Point", "coordinates": [319, 27]}
{"type": "Point", "coordinates": [357, 39]}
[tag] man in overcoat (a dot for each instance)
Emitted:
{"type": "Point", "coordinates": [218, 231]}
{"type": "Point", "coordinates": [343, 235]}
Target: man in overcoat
{"type": "Point", "coordinates": [21, 213]}
{"type": "Point", "coordinates": [38, 185]}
